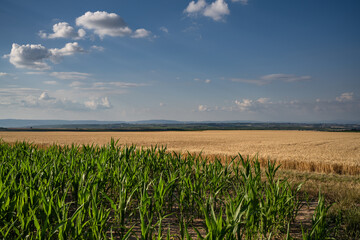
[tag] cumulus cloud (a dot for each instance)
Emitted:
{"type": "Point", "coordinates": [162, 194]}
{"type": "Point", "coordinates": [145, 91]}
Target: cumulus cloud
{"type": "Point", "coordinates": [217, 10]}
{"type": "Point", "coordinates": [164, 29]}
{"type": "Point", "coordinates": [63, 30]}
{"type": "Point", "coordinates": [35, 98]}
{"type": "Point", "coordinates": [244, 104]}
{"type": "Point", "coordinates": [14, 95]}
{"type": "Point", "coordinates": [104, 23]}
{"type": "Point", "coordinates": [70, 75]}
{"type": "Point", "coordinates": [95, 104]}
{"type": "Point", "coordinates": [33, 56]}
{"type": "Point", "coordinates": [69, 49]}
{"type": "Point", "coordinates": [263, 100]}
{"type": "Point", "coordinates": [108, 24]}
{"type": "Point", "coordinates": [29, 56]}
{"type": "Point", "coordinates": [195, 7]}
{"type": "Point", "coordinates": [250, 105]}
{"type": "Point", "coordinates": [345, 97]}
{"type": "Point", "coordinates": [270, 78]}
{"type": "Point", "coordinates": [203, 108]}
{"type": "Point", "coordinates": [45, 96]}
{"type": "Point", "coordinates": [141, 33]}
{"type": "Point", "coordinates": [345, 106]}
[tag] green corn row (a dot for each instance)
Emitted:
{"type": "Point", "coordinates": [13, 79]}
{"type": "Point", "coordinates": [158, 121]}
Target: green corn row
{"type": "Point", "coordinates": [115, 192]}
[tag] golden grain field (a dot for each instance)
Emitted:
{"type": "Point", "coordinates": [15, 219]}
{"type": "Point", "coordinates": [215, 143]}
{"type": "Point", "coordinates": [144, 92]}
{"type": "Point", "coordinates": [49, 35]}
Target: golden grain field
{"type": "Point", "coordinates": [330, 152]}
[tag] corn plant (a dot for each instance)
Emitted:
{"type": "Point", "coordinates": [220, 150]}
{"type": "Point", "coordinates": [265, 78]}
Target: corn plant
{"type": "Point", "coordinates": [127, 192]}
{"type": "Point", "coordinates": [319, 225]}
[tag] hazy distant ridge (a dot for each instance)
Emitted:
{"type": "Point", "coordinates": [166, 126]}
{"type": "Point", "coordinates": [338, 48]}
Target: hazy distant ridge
{"type": "Point", "coordinates": [19, 123]}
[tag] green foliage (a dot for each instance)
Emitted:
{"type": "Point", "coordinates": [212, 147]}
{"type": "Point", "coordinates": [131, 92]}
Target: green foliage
{"type": "Point", "coordinates": [319, 225]}
{"type": "Point", "coordinates": [106, 192]}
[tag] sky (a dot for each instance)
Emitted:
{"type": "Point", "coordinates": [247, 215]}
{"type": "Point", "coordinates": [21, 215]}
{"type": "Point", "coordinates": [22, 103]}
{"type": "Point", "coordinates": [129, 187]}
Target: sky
{"type": "Point", "coordinates": [202, 60]}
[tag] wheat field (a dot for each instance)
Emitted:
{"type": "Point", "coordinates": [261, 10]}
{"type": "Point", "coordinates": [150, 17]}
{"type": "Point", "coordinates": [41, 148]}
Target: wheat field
{"type": "Point", "coordinates": [328, 152]}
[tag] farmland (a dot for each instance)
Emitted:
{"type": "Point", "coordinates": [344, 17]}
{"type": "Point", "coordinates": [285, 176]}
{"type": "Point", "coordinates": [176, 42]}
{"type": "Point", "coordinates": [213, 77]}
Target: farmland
{"type": "Point", "coordinates": [112, 192]}
{"type": "Point", "coordinates": [327, 152]}
{"type": "Point", "coordinates": [192, 189]}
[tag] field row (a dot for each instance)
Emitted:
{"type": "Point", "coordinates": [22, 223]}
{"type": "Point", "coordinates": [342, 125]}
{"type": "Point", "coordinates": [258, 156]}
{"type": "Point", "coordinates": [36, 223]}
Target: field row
{"type": "Point", "coordinates": [113, 192]}
{"type": "Point", "coordinates": [327, 152]}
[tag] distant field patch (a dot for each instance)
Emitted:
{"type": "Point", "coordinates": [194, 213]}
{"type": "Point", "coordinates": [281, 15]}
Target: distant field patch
{"type": "Point", "coordinates": [329, 152]}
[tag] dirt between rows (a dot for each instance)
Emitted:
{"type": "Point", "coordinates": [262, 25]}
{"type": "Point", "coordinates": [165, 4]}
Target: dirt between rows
{"type": "Point", "coordinates": [303, 220]}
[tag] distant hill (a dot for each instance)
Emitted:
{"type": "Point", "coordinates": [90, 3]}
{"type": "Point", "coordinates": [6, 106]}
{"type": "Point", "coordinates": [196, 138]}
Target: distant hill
{"type": "Point", "coordinates": [21, 123]}
{"type": "Point", "coordinates": [164, 125]}
{"type": "Point", "coordinates": [26, 123]}
{"type": "Point", "coordinates": [158, 122]}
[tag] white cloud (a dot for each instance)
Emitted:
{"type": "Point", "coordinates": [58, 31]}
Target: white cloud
{"type": "Point", "coordinates": [244, 104]}
{"type": "Point", "coordinates": [33, 56]}
{"type": "Point", "coordinates": [36, 98]}
{"type": "Point", "coordinates": [263, 100]}
{"type": "Point", "coordinates": [11, 96]}
{"type": "Point", "coordinates": [243, 2]}
{"type": "Point", "coordinates": [101, 88]}
{"type": "Point", "coordinates": [76, 84]}
{"type": "Point", "coordinates": [15, 92]}
{"type": "Point", "coordinates": [204, 81]}
{"type": "Point", "coordinates": [35, 73]}
{"type": "Point", "coordinates": [164, 29]}
{"type": "Point", "coordinates": [96, 104]}
{"type": "Point", "coordinates": [67, 50]}
{"type": "Point", "coordinates": [251, 81]}
{"type": "Point", "coordinates": [195, 7]}
{"type": "Point", "coordinates": [270, 78]}
{"type": "Point", "coordinates": [111, 85]}
{"type": "Point", "coordinates": [64, 30]}
{"type": "Point", "coordinates": [141, 33]}
{"type": "Point", "coordinates": [284, 77]}
{"type": "Point", "coordinates": [345, 97]}
{"type": "Point", "coordinates": [70, 75]}
{"type": "Point", "coordinates": [203, 108]}
{"type": "Point", "coordinates": [45, 96]}
{"type": "Point", "coordinates": [50, 82]}
{"type": "Point", "coordinates": [216, 10]}
{"type": "Point", "coordinates": [104, 24]}
{"type": "Point", "coordinates": [345, 107]}
{"type": "Point", "coordinates": [2, 74]}
{"type": "Point", "coordinates": [30, 56]}
{"type": "Point", "coordinates": [252, 105]}
{"type": "Point", "coordinates": [97, 48]}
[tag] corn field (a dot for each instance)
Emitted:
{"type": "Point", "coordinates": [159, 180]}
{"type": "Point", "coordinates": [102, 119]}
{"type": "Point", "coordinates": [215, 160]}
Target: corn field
{"type": "Point", "coordinates": [126, 192]}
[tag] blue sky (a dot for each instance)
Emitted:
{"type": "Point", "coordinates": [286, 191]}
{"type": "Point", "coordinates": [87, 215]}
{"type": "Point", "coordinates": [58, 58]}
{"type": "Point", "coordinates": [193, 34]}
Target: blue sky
{"type": "Point", "coordinates": [203, 60]}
